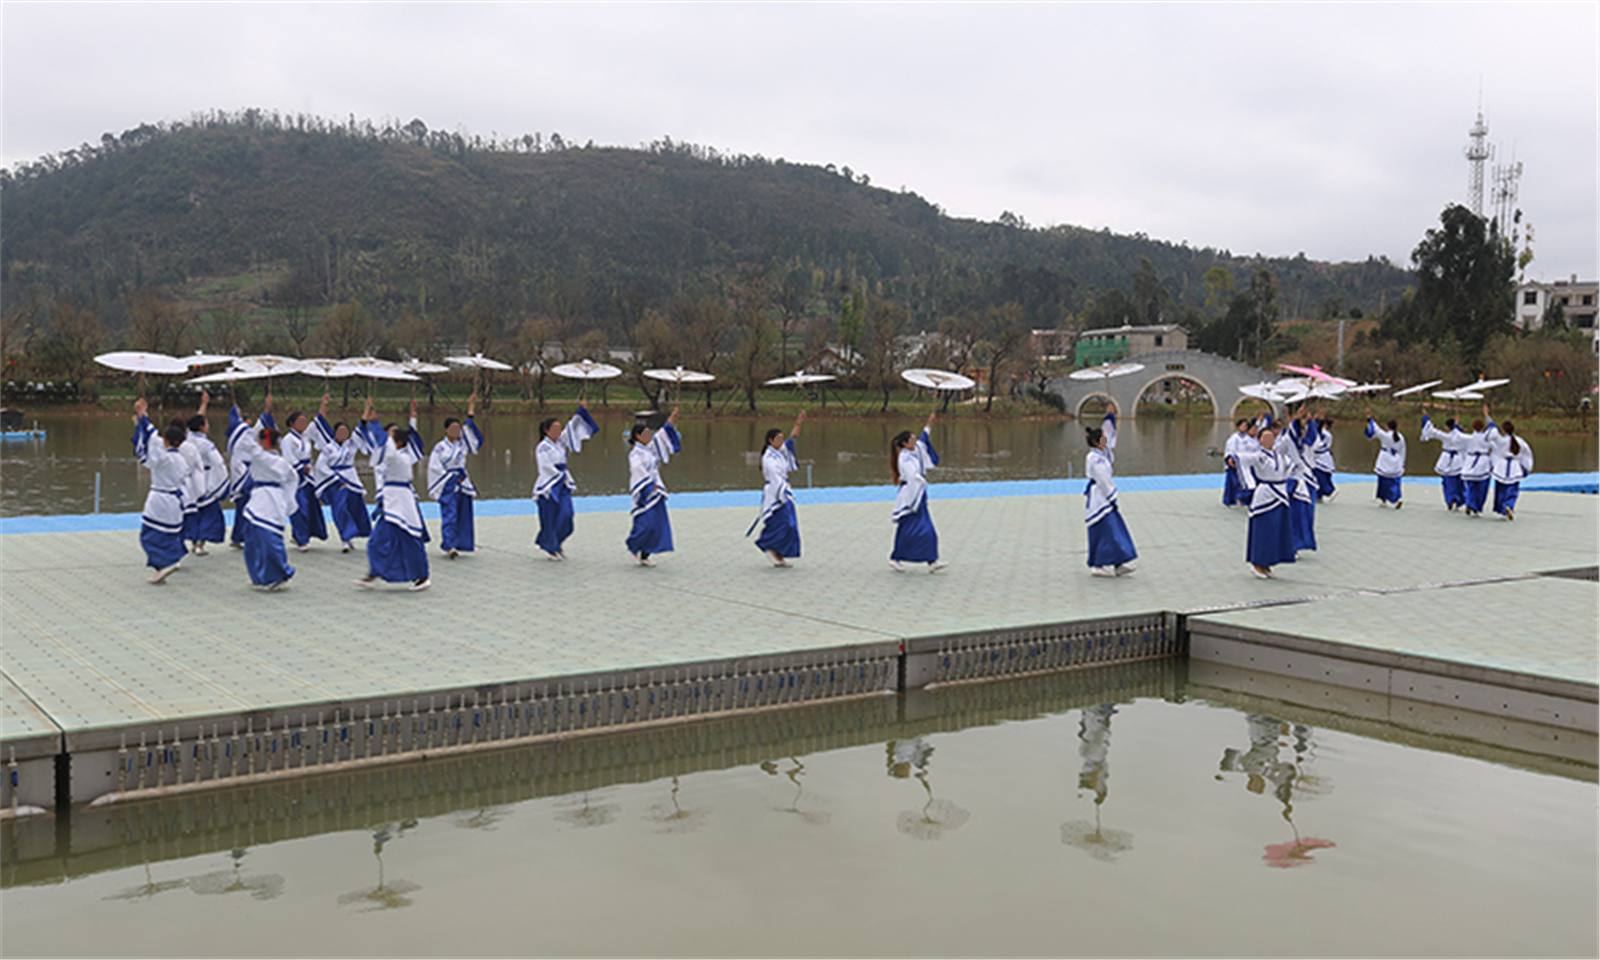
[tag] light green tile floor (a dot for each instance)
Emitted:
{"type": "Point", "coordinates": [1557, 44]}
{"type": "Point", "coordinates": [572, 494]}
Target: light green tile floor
{"type": "Point", "coordinates": [96, 646]}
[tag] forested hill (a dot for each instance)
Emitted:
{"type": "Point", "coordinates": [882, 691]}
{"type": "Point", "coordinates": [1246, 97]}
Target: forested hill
{"type": "Point", "coordinates": [308, 213]}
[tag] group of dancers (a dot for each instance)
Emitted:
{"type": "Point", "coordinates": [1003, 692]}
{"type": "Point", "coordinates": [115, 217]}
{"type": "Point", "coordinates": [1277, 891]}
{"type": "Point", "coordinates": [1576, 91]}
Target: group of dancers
{"type": "Point", "coordinates": [280, 481]}
{"type": "Point", "coordinates": [1281, 472]}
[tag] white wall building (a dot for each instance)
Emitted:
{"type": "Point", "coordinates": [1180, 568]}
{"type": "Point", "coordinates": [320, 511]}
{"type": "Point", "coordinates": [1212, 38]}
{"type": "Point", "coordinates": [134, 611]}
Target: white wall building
{"type": "Point", "coordinates": [1577, 300]}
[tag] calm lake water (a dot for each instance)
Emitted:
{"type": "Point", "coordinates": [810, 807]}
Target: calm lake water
{"type": "Point", "coordinates": [56, 475]}
{"type": "Point", "coordinates": [1120, 811]}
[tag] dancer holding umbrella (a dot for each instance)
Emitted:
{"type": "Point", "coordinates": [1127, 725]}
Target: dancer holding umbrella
{"type": "Point", "coordinates": [1111, 550]}
{"type": "Point", "coordinates": [207, 485]}
{"type": "Point", "coordinates": [915, 539]}
{"type": "Point", "coordinates": [780, 527]}
{"type": "Point", "coordinates": [243, 444]}
{"type": "Point", "coordinates": [449, 483]}
{"type": "Point", "coordinates": [334, 475]}
{"type": "Point", "coordinates": [1448, 466]}
{"type": "Point", "coordinates": [274, 489]}
{"type": "Point", "coordinates": [396, 551]}
{"type": "Point", "coordinates": [1270, 540]}
{"type": "Point", "coordinates": [552, 491]}
{"type": "Point", "coordinates": [649, 449]}
{"type": "Point", "coordinates": [1391, 462]}
{"type": "Point", "coordinates": [307, 521]}
{"type": "Point", "coordinates": [1511, 460]}
{"type": "Point", "coordinates": [161, 529]}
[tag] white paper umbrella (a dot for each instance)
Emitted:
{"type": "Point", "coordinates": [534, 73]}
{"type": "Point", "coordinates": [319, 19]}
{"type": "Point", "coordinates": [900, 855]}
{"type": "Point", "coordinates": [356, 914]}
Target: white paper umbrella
{"type": "Point", "coordinates": [680, 376]}
{"type": "Point", "coordinates": [798, 379]}
{"type": "Point", "coordinates": [480, 361]}
{"type": "Point", "coordinates": [1328, 391]}
{"type": "Point", "coordinates": [231, 376]}
{"type": "Point", "coordinates": [270, 362]}
{"type": "Point", "coordinates": [326, 367]}
{"type": "Point", "coordinates": [1106, 371]}
{"type": "Point", "coordinates": [1367, 388]}
{"type": "Point", "coordinates": [1408, 391]}
{"type": "Point", "coordinates": [1293, 394]}
{"type": "Point", "coordinates": [139, 361]}
{"type": "Point", "coordinates": [365, 364]}
{"type": "Point", "coordinates": [198, 359]}
{"type": "Point", "coordinates": [422, 366]}
{"type": "Point", "coordinates": [384, 373]}
{"type": "Point", "coordinates": [938, 379]}
{"type": "Point", "coordinates": [586, 370]}
{"type": "Point", "coordinates": [1457, 394]}
{"type": "Point", "coordinates": [1260, 391]}
{"type": "Point", "coordinates": [1484, 385]}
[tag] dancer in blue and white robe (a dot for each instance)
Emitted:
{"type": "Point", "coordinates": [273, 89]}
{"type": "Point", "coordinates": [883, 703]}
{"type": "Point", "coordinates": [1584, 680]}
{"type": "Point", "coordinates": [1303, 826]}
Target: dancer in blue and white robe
{"type": "Point", "coordinates": [1271, 537]}
{"type": "Point", "coordinates": [334, 475]}
{"type": "Point", "coordinates": [1322, 463]}
{"type": "Point", "coordinates": [780, 525]}
{"type": "Point", "coordinates": [1448, 466]}
{"type": "Point", "coordinates": [552, 491]}
{"type": "Point", "coordinates": [1476, 467]}
{"type": "Point", "coordinates": [396, 551]}
{"type": "Point", "coordinates": [307, 522]}
{"type": "Point", "coordinates": [1233, 492]}
{"type": "Point", "coordinates": [652, 529]}
{"type": "Point", "coordinates": [1111, 551]}
{"type": "Point", "coordinates": [274, 497]}
{"type": "Point", "coordinates": [915, 539]}
{"type": "Point", "coordinates": [242, 446]}
{"type": "Point", "coordinates": [161, 526]}
{"type": "Point", "coordinates": [449, 483]}
{"type": "Point", "coordinates": [1511, 460]}
{"type": "Point", "coordinates": [208, 484]}
{"type": "Point", "coordinates": [1391, 462]}
{"type": "Point", "coordinates": [1296, 441]}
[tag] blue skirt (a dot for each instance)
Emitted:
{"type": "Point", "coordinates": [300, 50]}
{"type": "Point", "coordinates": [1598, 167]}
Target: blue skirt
{"type": "Point", "coordinates": [455, 523]}
{"type": "Point", "coordinates": [652, 531]}
{"type": "Point", "coordinates": [1505, 496]}
{"type": "Point", "coordinates": [1110, 543]}
{"type": "Point", "coordinates": [1271, 539]}
{"type": "Point", "coordinates": [1477, 491]}
{"type": "Point", "coordinates": [915, 539]}
{"type": "Point", "coordinates": [264, 557]}
{"type": "Point", "coordinates": [1303, 523]}
{"type": "Point", "coordinates": [781, 532]}
{"type": "Point", "coordinates": [307, 520]}
{"type": "Point", "coordinates": [161, 550]}
{"type": "Point", "coordinates": [349, 512]}
{"type": "Point", "coordinates": [1455, 491]}
{"type": "Point", "coordinates": [555, 519]}
{"type": "Point", "coordinates": [1324, 482]}
{"type": "Point", "coordinates": [395, 556]}
{"type": "Point", "coordinates": [1232, 492]}
{"type": "Point", "coordinates": [206, 525]}
{"type": "Point", "coordinates": [1389, 489]}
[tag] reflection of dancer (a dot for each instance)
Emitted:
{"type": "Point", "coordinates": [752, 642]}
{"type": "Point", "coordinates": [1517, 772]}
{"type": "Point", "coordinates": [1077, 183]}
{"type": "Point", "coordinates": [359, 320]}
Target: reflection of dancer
{"type": "Point", "coordinates": [1094, 744]}
{"type": "Point", "coordinates": [1262, 766]}
{"type": "Point", "coordinates": [909, 759]}
{"type": "Point", "coordinates": [815, 818]}
{"type": "Point", "coordinates": [387, 895]}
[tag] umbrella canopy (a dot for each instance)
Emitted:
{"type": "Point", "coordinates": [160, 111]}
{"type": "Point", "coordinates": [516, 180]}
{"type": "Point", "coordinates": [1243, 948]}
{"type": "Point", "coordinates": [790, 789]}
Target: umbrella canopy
{"type": "Point", "coordinates": [1313, 372]}
{"type": "Point", "coordinates": [139, 361]}
{"type": "Point", "coordinates": [1329, 391]}
{"type": "Point", "coordinates": [799, 378]}
{"type": "Point", "coordinates": [938, 379]}
{"type": "Point", "coordinates": [422, 366]}
{"type": "Point", "coordinates": [1106, 371]}
{"type": "Point", "coordinates": [198, 359]}
{"type": "Point", "coordinates": [326, 367]}
{"type": "Point", "coordinates": [1457, 394]}
{"type": "Point", "coordinates": [269, 362]}
{"type": "Point", "coordinates": [680, 375]}
{"type": "Point", "coordinates": [480, 361]}
{"type": "Point", "coordinates": [1260, 391]}
{"type": "Point", "coordinates": [231, 376]}
{"type": "Point", "coordinates": [1367, 388]}
{"type": "Point", "coordinates": [586, 370]}
{"type": "Point", "coordinates": [366, 363]}
{"type": "Point", "coordinates": [384, 373]}
{"type": "Point", "coordinates": [1482, 384]}
{"type": "Point", "coordinates": [1408, 391]}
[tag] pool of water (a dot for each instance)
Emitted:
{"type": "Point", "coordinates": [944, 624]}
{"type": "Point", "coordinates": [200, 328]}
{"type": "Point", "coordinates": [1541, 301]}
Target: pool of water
{"type": "Point", "coordinates": [1120, 811]}
{"type": "Point", "coordinates": [57, 475]}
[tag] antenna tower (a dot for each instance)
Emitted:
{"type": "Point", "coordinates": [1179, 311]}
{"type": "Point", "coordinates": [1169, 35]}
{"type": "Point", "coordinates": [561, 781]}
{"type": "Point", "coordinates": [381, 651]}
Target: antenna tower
{"type": "Point", "coordinates": [1478, 150]}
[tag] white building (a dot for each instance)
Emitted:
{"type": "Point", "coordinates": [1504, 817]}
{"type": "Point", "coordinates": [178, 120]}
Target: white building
{"type": "Point", "coordinates": [1577, 301]}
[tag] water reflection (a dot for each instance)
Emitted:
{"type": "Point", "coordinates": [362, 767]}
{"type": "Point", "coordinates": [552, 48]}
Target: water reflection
{"type": "Point", "coordinates": [149, 888]}
{"type": "Point", "coordinates": [484, 819]}
{"type": "Point", "coordinates": [585, 813]}
{"type": "Point", "coordinates": [266, 886]}
{"type": "Point", "coordinates": [1263, 765]}
{"type": "Point", "coordinates": [815, 818]}
{"type": "Point", "coordinates": [674, 817]}
{"type": "Point", "coordinates": [388, 894]}
{"type": "Point", "coordinates": [909, 759]}
{"type": "Point", "coordinates": [1094, 744]}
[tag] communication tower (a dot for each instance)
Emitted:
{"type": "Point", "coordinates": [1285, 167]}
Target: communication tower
{"type": "Point", "coordinates": [1478, 151]}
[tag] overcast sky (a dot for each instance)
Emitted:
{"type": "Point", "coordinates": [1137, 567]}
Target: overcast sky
{"type": "Point", "coordinates": [1336, 129]}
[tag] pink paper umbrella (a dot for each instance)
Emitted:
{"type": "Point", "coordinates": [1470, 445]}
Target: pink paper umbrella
{"type": "Point", "coordinates": [1314, 372]}
{"type": "Point", "coordinates": [1294, 853]}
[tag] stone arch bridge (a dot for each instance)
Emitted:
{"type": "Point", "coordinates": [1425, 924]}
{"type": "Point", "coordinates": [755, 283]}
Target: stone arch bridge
{"type": "Point", "coordinates": [1219, 377]}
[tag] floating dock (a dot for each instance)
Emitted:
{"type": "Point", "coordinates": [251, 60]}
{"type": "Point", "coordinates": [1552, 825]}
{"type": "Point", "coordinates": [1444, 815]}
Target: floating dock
{"type": "Point", "coordinates": [113, 689]}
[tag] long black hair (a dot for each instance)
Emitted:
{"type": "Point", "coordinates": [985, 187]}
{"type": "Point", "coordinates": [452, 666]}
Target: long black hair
{"type": "Point", "coordinates": [1394, 430]}
{"type": "Point", "coordinates": [770, 434]}
{"type": "Point", "coordinates": [268, 438]}
{"type": "Point", "coordinates": [638, 428]}
{"type": "Point", "coordinates": [401, 432]}
{"type": "Point", "coordinates": [175, 433]}
{"type": "Point", "coordinates": [544, 426]}
{"type": "Point", "coordinates": [1510, 430]}
{"type": "Point", "coordinates": [900, 440]}
{"type": "Point", "coordinates": [1450, 423]}
{"type": "Point", "coordinates": [1094, 435]}
{"type": "Point", "coordinates": [197, 424]}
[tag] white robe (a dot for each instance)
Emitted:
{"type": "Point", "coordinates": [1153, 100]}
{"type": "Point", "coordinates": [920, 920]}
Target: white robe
{"type": "Point", "coordinates": [449, 459]}
{"type": "Point", "coordinates": [551, 455]}
{"type": "Point", "coordinates": [274, 485]}
{"type": "Point", "coordinates": [394, 467]}
{"type": "Point", "coordinates": [1322, 451]}
{"type": "Point", "coordinates": [1102, 498]}
{"type": "Point", "coordinates": [1475, 450]}
{"type": "Point", "coordinates": [776, 465]}
{"type": "Point", "coordinates": [1451, 443]}
{"type": "Point", "coordinates": [297, 448]}
{"type": "Point", "coordinates": [1391, 460]}
{"type": "Point", "coordinates": [1505, 466]}
{"type": "Point", "coordinates": [914, 462]}
{"type": "Point", "coordinates": [1269, 472]}
{"type": "Point", "coordinates": [644, 468]}
{"type": "Point", "coordinates": [336, 462]}
{"type": "Point", "coordinates": [169, 478]}
{"type": "Point", "coordinates": [243, 445]}
{"type": "Point", "coordinates": [211, 482]}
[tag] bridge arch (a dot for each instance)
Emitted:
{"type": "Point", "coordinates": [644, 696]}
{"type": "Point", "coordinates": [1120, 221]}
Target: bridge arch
{"type": "Point", "coordinates": [1219, 377]}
